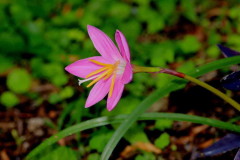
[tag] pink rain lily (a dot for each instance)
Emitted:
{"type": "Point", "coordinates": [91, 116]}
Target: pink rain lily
{"type": "Point", "coordinates": [109, 72]}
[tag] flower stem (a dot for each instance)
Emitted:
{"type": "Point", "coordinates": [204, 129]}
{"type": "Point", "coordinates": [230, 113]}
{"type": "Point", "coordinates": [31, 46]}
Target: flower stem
{"type": "Point", "coordinates": [232, 102]}
{"type": "Point", "coordinates": [214, 90]}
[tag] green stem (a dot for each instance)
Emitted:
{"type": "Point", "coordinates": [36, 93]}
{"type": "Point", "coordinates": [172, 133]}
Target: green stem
{"type": "Point", "coordinates": [137, 69]}
{"type": "Point", "coordinates": [214, 90]}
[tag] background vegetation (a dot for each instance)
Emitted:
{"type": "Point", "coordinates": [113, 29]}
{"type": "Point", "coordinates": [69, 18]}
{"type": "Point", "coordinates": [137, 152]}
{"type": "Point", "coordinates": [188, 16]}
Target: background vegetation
{"type": "Point", "coordinates": [38, 98]}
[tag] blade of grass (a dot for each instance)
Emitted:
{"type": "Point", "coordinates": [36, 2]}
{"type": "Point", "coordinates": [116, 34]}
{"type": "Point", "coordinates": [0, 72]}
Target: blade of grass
{"type": "Point", "coordinates": [147, 102]}
{"type": "Point", "coordinates": [101, 121]}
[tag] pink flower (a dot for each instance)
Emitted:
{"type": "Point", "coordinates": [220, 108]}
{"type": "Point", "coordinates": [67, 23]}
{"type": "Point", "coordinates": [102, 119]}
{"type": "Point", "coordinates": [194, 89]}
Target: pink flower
{"type": "Point", "coordinates": [110, 71]}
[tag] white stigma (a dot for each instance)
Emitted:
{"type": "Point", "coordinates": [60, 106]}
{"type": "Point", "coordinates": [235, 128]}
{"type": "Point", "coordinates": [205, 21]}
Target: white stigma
{"type": "Point", "coordinates": [80, 81]}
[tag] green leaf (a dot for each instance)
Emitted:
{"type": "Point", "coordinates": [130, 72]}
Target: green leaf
{"type": "Point", "coordinates": [136, 134]}
{"type": "Point", "coordinates": [162, 53]}
{"type": "Point", "coordinates": [11, 43]}
{"type": "Point", "coordinates": [189, 10]}
{"type": "Point", "coordinates": [162, 141]}
{"type": "Point", "coordinates": [93, 156]}
{"type": "Point", "coordinates": [167, 7]}
{"type": "Point", "coordinates": [189, 44]}
{"type": "Point", "coordinates": [102, 121]}
{"type": "Point", "coordinates": [67, 92]}
{"type": "Point", "coordinates": [213, 51]}
{"type": "Point", "coordinates": [5, 64]}
{"type": "Point", "coordinates": [163, 124]}
{"type": "Point", "coordinates": [155, 24]}
{"type": "Point", "coordinates": [19, 81]}
{"type": "Point", "coordinates": [9, 99]}
{"type": "Point", "coordinates": [146, 156]}
{"type": "Point", "coordinates": [120, 10]}
{"type": "Point", "coordinates": [54, 98]}
{"type": "Point", "coordinates": [60, 153]}
{"type": "Point", "coordinates": [99, 139]}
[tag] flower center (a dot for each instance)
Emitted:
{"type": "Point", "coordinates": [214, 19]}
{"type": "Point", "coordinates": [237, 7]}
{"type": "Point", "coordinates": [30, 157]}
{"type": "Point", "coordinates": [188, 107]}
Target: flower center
{"type": "Point", "coordinates": [105, 71]}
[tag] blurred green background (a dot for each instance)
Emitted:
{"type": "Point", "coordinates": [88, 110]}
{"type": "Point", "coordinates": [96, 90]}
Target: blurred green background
{"type": "Point", "coordinates": [38, 38]}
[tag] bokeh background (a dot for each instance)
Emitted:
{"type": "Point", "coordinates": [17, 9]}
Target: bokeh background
{"type": "Point", "coordinates": [38, 38]}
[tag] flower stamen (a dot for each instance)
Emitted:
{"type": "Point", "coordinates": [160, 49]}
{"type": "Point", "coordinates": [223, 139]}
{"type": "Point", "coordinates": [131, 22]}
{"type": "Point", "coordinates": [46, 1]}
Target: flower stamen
{"type": "Point", "coordinates": [97, 71]}
{"type": "Point", "coordinates": [98, 78]}
{"type": "Point", "coordinates": [99, 63]}
{"type": "Point", "coordinates": [112, 85]}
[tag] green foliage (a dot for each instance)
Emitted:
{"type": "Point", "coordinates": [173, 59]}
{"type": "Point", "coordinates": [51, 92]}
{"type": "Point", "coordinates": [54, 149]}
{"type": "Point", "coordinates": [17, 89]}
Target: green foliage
{"type": "Point", "coordinates": [94, 156]}
{"type": "Point", "coordinates": [5, 64]}
{"type": "Point", "coordinates": [213, 51]}
{"type": "Point", "coordinates": [99, 139]}
{"type": "Point", "coordinates": [9, 99]}
{"type": "Point", "coordinates": [162, 54]}
{"type": "Point", "coordinates": [11, 43]}
{"type": "Point", "coordinates": [39, 38]}
{"type": "Point", "coordinates": [19, 81]}
{"type": "Point", "coordinates": [163, 124]}
{"type": "Point", "coordinates": [66, 92]}
{"type": "Point", "coordinates": [189, 44]}
{"type": "Point", "coordinates": [136, 134]}
{"type": "Point", "coordinates": [146, 155]}
{"type": "Point", "coordinates": [162, 141]}
{"type": "Point", "coordinates": [60, 153]}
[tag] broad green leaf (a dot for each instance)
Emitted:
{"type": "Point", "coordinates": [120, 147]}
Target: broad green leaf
{"type": "Point", "coordinates": [19, 81]}
{"type": "Point", "coordinates": [66, 92]}
{"type": "Point", "coordinates": [213, 51]}
{"type": "Point", "coordinates": [60, 153]}
{"type": "Point", "coordinates": [99, 139]}
{"type": "Point", "coordinates": [163, 124]}
{"type": "Point", "coordinates": [162, 141]}
{"type": "Point", "coordinates": [93, 156]}
{"type": "Point", "coordinates": [9, 99]}
{"type": "Point", "coordinates": [54, 98]}
{"type": "Point", "coordinates": [136, 134]}
{"type": "Point", "coordinates": [189, 44]}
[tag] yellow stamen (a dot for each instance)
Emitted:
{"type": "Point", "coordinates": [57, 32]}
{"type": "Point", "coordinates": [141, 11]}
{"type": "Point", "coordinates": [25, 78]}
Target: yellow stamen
{"type": "Point", "coordinates": [96, 72]}
{"type": "Point", "coordinates": [109, 74]}
{"type": "Point", "coordinates": [100, 63]}
{"type": "Point", "coordinates": [109, 70]}
{"type": "Point", "coordinates": [98, 78]}
{"type": "Point", "coordinates": [112, 85]}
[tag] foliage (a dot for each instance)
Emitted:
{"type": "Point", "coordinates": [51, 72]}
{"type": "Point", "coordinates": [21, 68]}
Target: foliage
{"type": "Point", "coordinates": [39, 38]}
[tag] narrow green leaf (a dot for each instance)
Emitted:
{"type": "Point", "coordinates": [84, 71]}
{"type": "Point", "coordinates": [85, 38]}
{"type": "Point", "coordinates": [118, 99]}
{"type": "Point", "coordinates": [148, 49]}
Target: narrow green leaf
{"type": "Point", "coordinates": [147, 102]}
{"type": "Point", "coordinates": [102, 121]}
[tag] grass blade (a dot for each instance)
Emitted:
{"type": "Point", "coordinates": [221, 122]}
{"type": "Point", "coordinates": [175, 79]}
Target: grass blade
{"type": "Point", "coordinates": [101, 121]}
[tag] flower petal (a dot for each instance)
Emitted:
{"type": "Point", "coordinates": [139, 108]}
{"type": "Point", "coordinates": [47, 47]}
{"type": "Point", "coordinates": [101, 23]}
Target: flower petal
{"type": "Point", "coordinates": [122, 45]}
{"type": "Point", "coordinates": [116, 95]}
{"type": "Point", "coordinates": [98, 92]}
{"type": "Point", "coordinates": [83, 67]}
{"type": "Point", "coordinates": [103, 44]}
{"type": "Point", "coordinates": [127, 75]}
{"type": "Point", "coordinates": [231, 81]}
{"type": "Point", "coordinates": [227, 52]}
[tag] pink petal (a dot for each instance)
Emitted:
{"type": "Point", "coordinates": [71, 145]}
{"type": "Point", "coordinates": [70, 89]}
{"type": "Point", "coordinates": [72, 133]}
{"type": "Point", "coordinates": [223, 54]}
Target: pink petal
{"type": "Point", "coordinates": [116, 95]}
{"type": "Point", "coordinates": [122, 45]}
{"type": "Point", "coordinates": [127, 75]}
{"type": "Point", "coordinates": [83, 67]}
{"type": "Point", "coordinates": [103, 44]}
{"type": "Point", "coordinates": [98, 92]}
